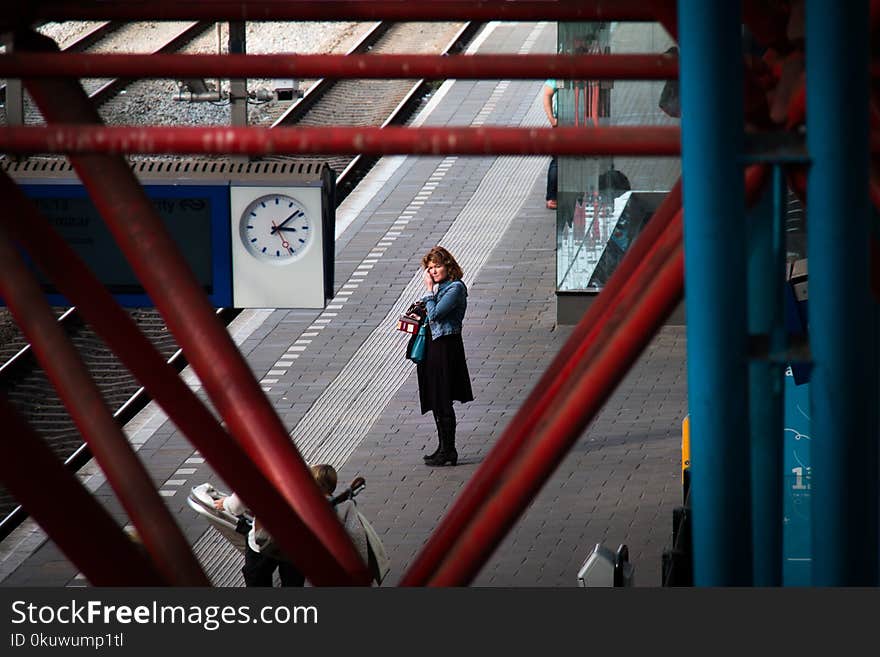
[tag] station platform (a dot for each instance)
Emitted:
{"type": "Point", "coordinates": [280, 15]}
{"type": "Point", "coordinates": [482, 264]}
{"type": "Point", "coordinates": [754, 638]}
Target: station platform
{"type": "Point", "coordinates": [342, 386]}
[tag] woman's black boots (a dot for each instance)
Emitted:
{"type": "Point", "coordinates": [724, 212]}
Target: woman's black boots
{"type": "Point", "coordinates": [447, 454]}
{"type": "Point", "coordinates": [439, 422]}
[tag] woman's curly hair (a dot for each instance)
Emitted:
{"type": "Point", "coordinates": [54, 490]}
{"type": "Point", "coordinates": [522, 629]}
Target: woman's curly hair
{"type": "Point", "coordinates": [440, 256]}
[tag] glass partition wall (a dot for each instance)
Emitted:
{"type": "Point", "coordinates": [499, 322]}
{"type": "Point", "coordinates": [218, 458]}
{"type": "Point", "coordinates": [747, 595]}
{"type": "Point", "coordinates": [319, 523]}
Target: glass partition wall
{"type": "Point", "coordinates": [604, 202]}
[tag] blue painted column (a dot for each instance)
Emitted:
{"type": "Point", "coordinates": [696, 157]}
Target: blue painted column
{"type": "Point", "coordinates": [766, 275]}
{"type": "Point", "coordinates": [711, 84]}
{"type": "Point", "coordinates": [843, 382]}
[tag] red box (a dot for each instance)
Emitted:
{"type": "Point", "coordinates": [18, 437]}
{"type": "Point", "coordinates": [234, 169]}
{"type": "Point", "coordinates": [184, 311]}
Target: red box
{"type": "Point", "coordinates": [408, 324]}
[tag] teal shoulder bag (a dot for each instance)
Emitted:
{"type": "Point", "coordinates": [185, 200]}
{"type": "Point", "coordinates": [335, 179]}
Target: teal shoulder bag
{"type": "Point", "coordinates": [416, 351]}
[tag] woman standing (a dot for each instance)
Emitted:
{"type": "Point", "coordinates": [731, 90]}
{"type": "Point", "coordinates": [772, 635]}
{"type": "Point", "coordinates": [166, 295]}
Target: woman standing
{"type": "Point", "coordinates": [443, 374]}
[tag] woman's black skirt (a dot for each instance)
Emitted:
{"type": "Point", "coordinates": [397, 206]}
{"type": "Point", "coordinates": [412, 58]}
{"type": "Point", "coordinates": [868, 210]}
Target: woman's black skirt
{"type": "Point", "coordinates": [443, 375]}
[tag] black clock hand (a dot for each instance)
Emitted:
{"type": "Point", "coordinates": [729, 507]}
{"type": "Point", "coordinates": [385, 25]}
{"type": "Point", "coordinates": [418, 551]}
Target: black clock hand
{"type": "Point", "coordinates": [278, 227]}
{"type": "Point", "coordinates": [284, 242]}
{"type": "Point", "coordinates": [289, 229]}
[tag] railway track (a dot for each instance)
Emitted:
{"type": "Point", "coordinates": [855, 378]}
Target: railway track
{"type": "Point", "coordinates": [348, 102]}
{"type": "Point", "coordinates": [184, 34]}
{"type": "Point", "coordinates": [372, 102]}
{"type": "Point", "coordinates": [116, 37]}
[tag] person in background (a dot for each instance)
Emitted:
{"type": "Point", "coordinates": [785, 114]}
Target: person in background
{"type": "Point", "coordinates": [260, 560]}
{"type": "Point", "coordinates": [549, 94]}
{"type": "Point", "coordinates": [326, 478]}
{"type": "Point", "coordinates": [443, 374]}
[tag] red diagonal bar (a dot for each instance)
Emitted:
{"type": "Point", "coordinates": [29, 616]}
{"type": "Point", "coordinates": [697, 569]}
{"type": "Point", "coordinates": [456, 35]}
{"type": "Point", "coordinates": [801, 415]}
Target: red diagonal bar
{"type": "Point", "coordinates": [155, 259]}
{"type": "Point", "coordinates": [93, 302]}
{"type": "Point", "coordinates": [86, 535]}
{"type": "Point", "coordinates": [70, 377]}
{"type": "Point", "coordinates": [431, 67]}
{"type": "Point", "coordinates": [307, 10]}
{"type": "Point", "coordinates": [82, 139]}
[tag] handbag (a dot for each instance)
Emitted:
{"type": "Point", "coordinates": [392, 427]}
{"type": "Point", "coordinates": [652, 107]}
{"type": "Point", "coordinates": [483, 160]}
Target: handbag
{"type": "Point", "coordinates": [378, 561]}
{"type": "Point", "coordinates": [416, 351]}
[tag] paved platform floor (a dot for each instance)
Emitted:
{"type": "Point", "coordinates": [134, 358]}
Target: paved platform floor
{"type": "Point", "coordinates": [340, 383]}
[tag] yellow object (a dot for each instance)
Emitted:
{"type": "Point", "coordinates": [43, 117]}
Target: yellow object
{"type": "Point", "coordinates": [685, 445]}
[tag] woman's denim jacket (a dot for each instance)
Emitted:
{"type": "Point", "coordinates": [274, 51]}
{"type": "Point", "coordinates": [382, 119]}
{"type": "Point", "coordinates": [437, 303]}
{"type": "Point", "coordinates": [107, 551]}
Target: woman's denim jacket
{"type": "Point", "coordinates": [446, 308]}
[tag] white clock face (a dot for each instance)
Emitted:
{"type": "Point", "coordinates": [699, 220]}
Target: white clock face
{"type": "Point", "coordinates": [276, 228]}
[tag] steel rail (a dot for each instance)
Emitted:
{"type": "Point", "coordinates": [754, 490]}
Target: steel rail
{"type": "Point", "coordinates": [87, 40]}
{"type": "Point", "coordinates": [18, 360]}
{"type": "Point", "coordinates": [399, 113]}
{"type": "Point", "coordinates": [111, 88]}
{"type": "Point", "coordinates": [358, 66]}
{"type": "Point", "coordinates": [83, 139]}
{"type": "Point", "coordinates": [317, 91]}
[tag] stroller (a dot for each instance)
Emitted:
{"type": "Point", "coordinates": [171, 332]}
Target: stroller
{"type": "Point", "coordinates": [235, 529]}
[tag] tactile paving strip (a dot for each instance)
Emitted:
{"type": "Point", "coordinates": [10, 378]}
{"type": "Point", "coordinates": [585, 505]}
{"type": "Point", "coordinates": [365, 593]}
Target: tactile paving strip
{"type": "Point", "coordinates": [221, 561]}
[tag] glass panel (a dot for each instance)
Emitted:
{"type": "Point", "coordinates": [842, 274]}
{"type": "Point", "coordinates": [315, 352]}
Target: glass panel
{"type": "Point", "coordinates": [604, 202]}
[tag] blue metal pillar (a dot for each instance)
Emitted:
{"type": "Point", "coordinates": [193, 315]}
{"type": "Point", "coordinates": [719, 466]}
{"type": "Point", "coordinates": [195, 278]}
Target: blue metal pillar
{"type": "Point", "coordinates": [842, 386]}
{"type": "Point", "coordinates": [766, 265]}
{"type": "Point", "coordinates": [711, 74]}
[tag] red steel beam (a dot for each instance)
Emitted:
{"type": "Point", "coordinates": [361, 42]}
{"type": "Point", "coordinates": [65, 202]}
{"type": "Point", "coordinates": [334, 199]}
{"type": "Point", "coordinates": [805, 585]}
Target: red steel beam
{"type": "Point", "coordinates": [92, 300]}
{"type": "Point", "coordinates": [344, 140]}
{"type": "Point", "coordinates": [88, 535]}
{"type": "Point", "coordinates": [329, 10]}
{"type": "Point", "coordinates": [430, 67]}
{"type": "Point", "coordinates": [226, 376]}
{"type": "Point", "coordinates": [70, 377]}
